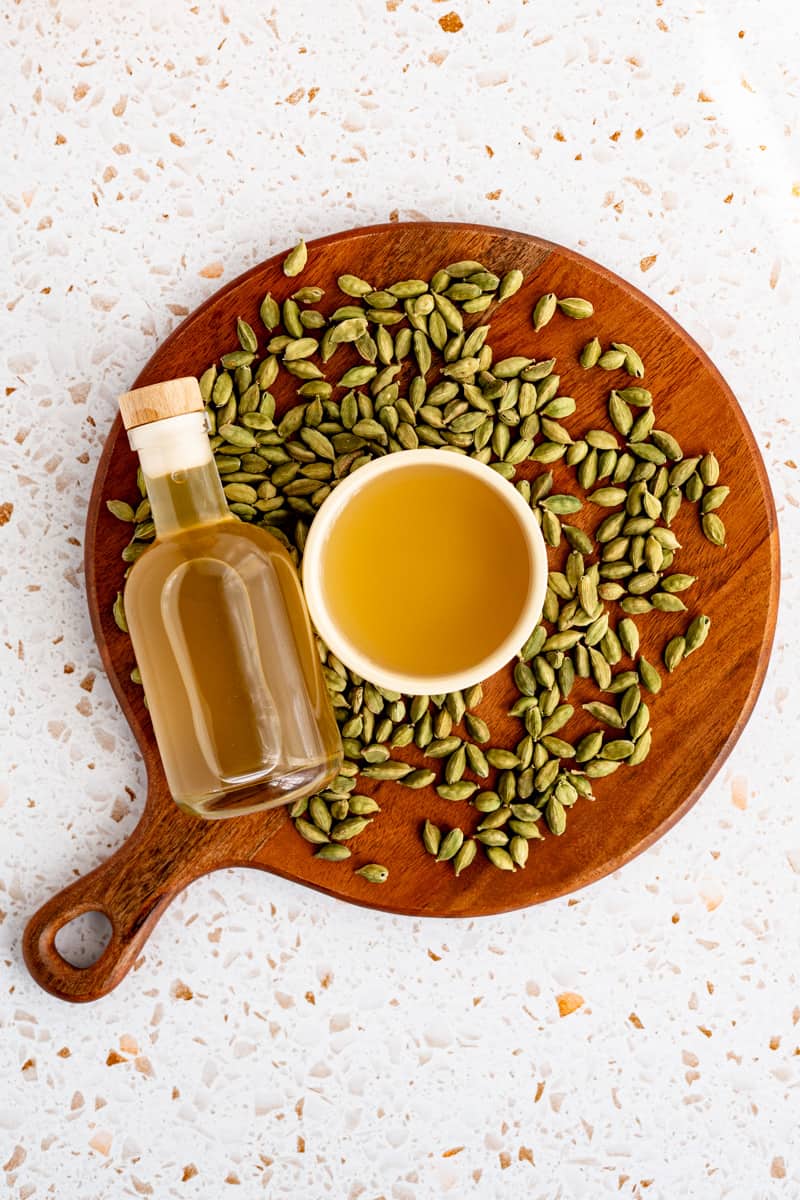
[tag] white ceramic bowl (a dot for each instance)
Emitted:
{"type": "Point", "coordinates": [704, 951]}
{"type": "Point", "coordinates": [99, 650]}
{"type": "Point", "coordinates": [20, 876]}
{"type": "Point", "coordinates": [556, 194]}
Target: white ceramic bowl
{"type": "Point", "coordinates": [346, 649]}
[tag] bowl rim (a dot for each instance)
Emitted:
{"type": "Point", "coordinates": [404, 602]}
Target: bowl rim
{"type": "Point", "coordinates": [408, 682]}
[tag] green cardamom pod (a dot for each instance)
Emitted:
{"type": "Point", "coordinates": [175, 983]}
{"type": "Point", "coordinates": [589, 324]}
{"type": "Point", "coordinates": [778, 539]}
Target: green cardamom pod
{"type": "Point", "coordinates": [641, 749]}
{"type": "Point", "coordinates": [556, 816]}
{"type": "Point", "coordinates": [677, 582]}
{"type": "Point", "coordinates": [456, 765]}
{"type": "Point", "coordinates": [237, 358]}
{"type": "Point", "coordinates": [463, 268]}
{"type": "Point", "coordinates": [697, 633]}
{"type": "Point", "coordinates": [318, 811]}
{"type": "Point", "coordinates": [247, 338]}
{"type": "Point", "coordinates": [487, 802]}
{"type": "Point", "coordinates": [611, 360]}
{"type": "Point", "coordinates": [599, 768]}
{"type": "Point", "coordinates": [641, 426]}
{"type": "Point", "coordinates": [714, 499]}
{"type": "Point", "coordinates": [558, 747]}
{"type": "Point", "coordinates": [605, 713]}
{"type": "Point", "coordinates": [667, 443]}
{"type": "Point", "coordinates": [544, 310]}
{"type": "Point", "coordinates": [431, 838]}
{"type": "Point", "coordinates": [589, 746]}
{"type": "Point", "coordinates": [674, 652]}
{"type": "Point", "coordinates": [351, 285]}
{"type": "Point", "coordinates": [634, 606]}
{"type": "Point", "coordinates": [628, 634]}
{"type": "Point", "coordinates": [617, 750]}
{"type": "Point", "coordinates": [310, 832]}
{"type": "Point", "coordinates": [639, 721]}
{"type": "Point", "coordinates": [629, 702]}
{"type": "Point", "coordinates": [476, 760]}
{"type": "Point", "coordinates": [601, 439]}
{"type": "Point", "coordinates": [450, 845]}
{"type": "Point", "coordinates": [638, 396]}
{"type": "Point", "coordinates": [693, 487]}
{"type": "Point", "coordinates": [373, 873]}
{"type": "Point", "coordinates": [118, 611]}
{"type": "Point", "coordinates": [464, 856]}
{"type": "Point", "coordinates": [561, 505]}
{"type": "Point", "coordinates": [269, 312]}
{"type": "Point", "coordinates": [620, 414]}
{"type": "Point", "coordinates": [351, 827]}
{"type": "Point", "coordinates": [557, 720]}
{"type": "Point", "coordinates": [461, 790]}
{"type": "Point", "coordinates": [633, 363]}
{"type": "Point", "coordinates": [505, 760]}
{"type": "Point", "coordinates": [492, 837]}
{"type": "Point", "coordinates": [576, 308]}
{"type": "Point", "coordinates": [708, 470]}
{"type": "Point", "coordinates": [477, 728]}
{"type": "Point", "coordinates": [590, 354]}
{"type": "Point", "coordinates": [713, 529]}
{"type": "Point", "coordinates": [671, 503]}
{"type": "Point", "coordinates": [510, 284]}
{"type": "Point", "coordinates": [295, 260]}
{"type": "Point", "coordinates": [577, 539]}
{"type": "Point", "coordinates": [608, 497]}
{"type": "Point", "coordinates": [499, 857]}
{"type": "Point", "coordinates": [120, 510]}
{"type": "Point", "coordinates": [518, 850]}
{"type": "Point", "coordinates": [362, 806]}
{"type": "Point", "coordinates": [387, 771]}
{"type": "Point", "coordinates": [649, 675]}
{"type": "Point", "coordinates": [332, 852]}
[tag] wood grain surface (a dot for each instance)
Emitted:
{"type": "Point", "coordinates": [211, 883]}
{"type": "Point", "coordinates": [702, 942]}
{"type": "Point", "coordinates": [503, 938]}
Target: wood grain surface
{"type": "Point", "coordinates": [696, 718]}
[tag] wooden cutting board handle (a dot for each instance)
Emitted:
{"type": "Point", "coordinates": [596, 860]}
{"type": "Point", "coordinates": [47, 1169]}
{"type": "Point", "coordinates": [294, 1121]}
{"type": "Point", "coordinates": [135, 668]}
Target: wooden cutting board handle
{"type": "Point", "coordinates": [166, 851]}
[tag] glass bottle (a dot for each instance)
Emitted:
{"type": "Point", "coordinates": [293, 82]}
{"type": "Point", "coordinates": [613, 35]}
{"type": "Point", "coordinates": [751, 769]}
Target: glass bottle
{"type": "Point", "coordinates": [220, 630]}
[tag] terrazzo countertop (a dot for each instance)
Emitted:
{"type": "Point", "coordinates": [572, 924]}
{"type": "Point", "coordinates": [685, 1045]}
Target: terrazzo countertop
{"type": "Point", "coordinates": [271, 1041]}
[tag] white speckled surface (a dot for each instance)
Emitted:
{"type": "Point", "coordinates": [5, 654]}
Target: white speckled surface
{"type": "Point", "coordinates": [155, 150]}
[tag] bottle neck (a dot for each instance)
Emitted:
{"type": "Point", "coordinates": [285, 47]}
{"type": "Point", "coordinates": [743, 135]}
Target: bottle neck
{"type": "Point", "coordinates": [185, 498]}
{"type": "Point", "coordinates": [182, 482]}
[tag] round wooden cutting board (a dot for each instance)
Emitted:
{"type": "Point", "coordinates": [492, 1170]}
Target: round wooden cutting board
{"type": "Point", "coordinates": [696, 718]}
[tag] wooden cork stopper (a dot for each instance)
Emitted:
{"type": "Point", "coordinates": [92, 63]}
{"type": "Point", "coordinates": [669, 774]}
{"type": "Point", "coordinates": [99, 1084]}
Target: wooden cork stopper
{"type": "Point", "coordinates": [172, 398]}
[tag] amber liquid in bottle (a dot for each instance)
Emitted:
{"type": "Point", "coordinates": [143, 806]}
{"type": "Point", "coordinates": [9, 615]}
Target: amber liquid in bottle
{"type": "Point", "coordinates": [226, 652]}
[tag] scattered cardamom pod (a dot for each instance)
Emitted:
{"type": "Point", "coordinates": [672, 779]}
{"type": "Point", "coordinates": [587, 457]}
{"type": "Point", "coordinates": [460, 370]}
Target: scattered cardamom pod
{"type": "Point", "coordinates": [333, 852]}
{"type": "Point", "coordinates": [590, 354]}
{"type": "Point", "coordinates": [450, 845]}
{"type": "Point", "coordinates": [713, 528]}
{"type": "Point", "coordinates": [575, 307]}
{"type": "Point", "coordinates": [296, 259]}
{"type": "Point", "coordinates": [464, 856]}
{"type": "Point", "coordinates": [373, 873]}
{"type": "Point", "coordinates": [544, 310]}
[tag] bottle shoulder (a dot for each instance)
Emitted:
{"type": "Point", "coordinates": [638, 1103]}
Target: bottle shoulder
{"type": "Point", "coordinates": [230, 541]}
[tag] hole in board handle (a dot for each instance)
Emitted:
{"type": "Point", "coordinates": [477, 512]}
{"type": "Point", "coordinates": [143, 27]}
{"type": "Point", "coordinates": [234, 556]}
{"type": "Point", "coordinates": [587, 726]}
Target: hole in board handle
{"type": "Point", "coordinates": [82, 941]}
